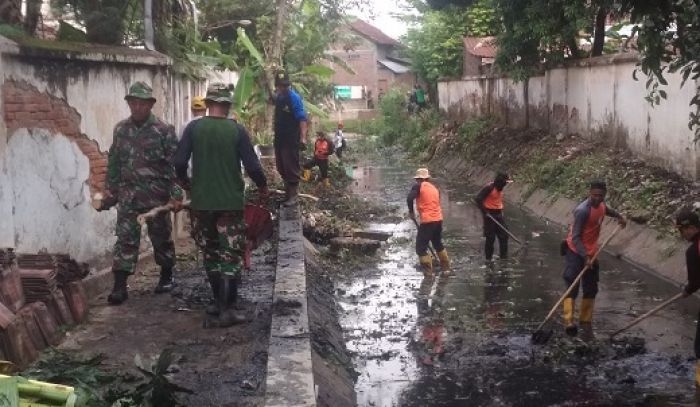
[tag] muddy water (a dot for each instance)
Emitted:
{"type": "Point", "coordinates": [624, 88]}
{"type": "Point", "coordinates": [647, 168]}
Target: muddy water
{"type": "Point", "coordinates": [464, 340]}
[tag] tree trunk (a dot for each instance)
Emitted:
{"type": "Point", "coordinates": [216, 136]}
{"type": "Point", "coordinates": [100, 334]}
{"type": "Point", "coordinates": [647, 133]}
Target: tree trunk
{"type": "Point", "coordinates": [11, 12]}
{"type": "Point", "coordinates": [31, 20]}
{"type": "Point", "coordinates": [599, 33]}
{"type": "Point", "coordinates": [275, 58]}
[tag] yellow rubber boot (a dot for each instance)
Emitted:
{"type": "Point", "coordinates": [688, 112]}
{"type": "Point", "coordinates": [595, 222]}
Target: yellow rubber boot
{"type": "Point", "coordinates": [444, 262]}
{"type": "Point", "coordinates": [569, 326]}
{"type": "Point", "coordinates": [427, 263]}
{"type": "Point", "coordinates": [327, 182]}
{"type": "Point", "coordinates": [697, 374]}
{"type": "Point", "coordinates": [586, 314]}
{"type": "Point", "coordinates": [306, 175]}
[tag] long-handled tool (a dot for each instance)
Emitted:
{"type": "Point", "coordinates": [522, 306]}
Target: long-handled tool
{"type": "Point", "coordinates": [512, 236]}
{"type": "Point", "coordinates": [648, 314]}
{"type": "Point", "coordinates": [142, 218]}
{"type": "Point", "coordinates": [541, 336]}
{"type": "Point", "coordinates": [430, 244]}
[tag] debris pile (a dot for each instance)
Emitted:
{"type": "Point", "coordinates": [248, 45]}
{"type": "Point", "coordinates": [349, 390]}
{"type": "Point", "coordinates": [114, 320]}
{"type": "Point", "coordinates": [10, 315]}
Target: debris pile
{"type": "Point", "coordinates": [38, 294]}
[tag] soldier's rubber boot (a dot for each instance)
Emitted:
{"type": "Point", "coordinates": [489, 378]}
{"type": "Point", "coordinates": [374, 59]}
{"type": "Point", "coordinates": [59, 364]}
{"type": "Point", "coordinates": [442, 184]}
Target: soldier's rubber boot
{"type": "Point", "coordinates": [569, 326]}
{"type": "Point", "coordinates": [229, 316]}
{"type": "Point", "coordinates": [215, 284]}
{"type": "Point", "coordinates": [585, 318]}
{"type": "Point", "coordinates": [697, 374]}
{"type": "Point", "coordinates": [306, 175]}
{"type": "Point", "coordinates": [444, 262]}
{"type": "Point", "coordinates": [427, 263]}
{"type": "Point", "coordinates": [166, 281]}
{"type": "Point", "coordinates": [327, 182]}
{"type": "Point", "coordinates": [119, 292]}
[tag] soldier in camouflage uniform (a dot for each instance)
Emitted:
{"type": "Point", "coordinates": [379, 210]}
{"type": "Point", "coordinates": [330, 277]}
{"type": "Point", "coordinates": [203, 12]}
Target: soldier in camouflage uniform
{"type": "Point", "coordinates": [218, 146]}
{"type": "Point", "coordinates": [140, 176]}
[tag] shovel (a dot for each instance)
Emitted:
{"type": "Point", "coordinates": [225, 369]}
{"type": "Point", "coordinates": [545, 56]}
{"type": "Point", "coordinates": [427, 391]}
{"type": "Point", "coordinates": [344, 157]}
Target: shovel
{"type": "Point", "coordinates": [648, 314]}
{"type": "Point", "coordinates": [512, 236]}
{"type": "Point", "coordinates": [541, 336]}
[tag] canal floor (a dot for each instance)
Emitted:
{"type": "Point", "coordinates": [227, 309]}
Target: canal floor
{"type": "Point", "coordinates": [464, 340]}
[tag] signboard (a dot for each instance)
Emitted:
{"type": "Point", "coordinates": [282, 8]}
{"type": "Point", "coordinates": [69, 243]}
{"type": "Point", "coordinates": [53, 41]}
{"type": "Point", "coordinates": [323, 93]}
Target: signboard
{"type": "Point", "coordinates": [343, 92]}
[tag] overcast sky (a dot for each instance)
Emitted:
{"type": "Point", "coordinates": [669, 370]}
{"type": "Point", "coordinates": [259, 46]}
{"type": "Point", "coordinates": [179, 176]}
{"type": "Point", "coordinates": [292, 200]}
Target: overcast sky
{"type": "Point", "coordinates": [379, 14]}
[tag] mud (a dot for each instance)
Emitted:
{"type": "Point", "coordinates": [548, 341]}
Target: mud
{"type": "Point", "coordinates": [465, 339]}
{"type": "Point", "coordinates": [223, 367]}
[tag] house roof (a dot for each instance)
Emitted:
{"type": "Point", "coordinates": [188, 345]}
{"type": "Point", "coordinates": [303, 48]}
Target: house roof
{"type": "Point", "coordinates": [484, 47]}
{"type": "Point", "coordinates": [394, 67]}
{"type": "Point", "coordinates": [372, 33]}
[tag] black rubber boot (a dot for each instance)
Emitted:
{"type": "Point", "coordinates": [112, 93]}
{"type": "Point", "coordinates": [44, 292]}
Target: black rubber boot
{"type": "Point", "coordinates": [229, 316]}
{"type": "Point", "coordinates": [166, 281]}
{"type": "Point", "coordinates": [215, 284]}
{"type": "Point", "coordinates": [119, 293]}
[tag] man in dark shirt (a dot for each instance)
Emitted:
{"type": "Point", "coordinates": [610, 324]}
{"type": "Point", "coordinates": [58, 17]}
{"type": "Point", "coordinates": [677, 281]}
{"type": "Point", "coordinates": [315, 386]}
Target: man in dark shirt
{"type": "Point", "coordinates": [290, 135]}
{"type": "Point", "coordinates": [218, 145]}
{"type": "Point", "coordinates": [688, 225]}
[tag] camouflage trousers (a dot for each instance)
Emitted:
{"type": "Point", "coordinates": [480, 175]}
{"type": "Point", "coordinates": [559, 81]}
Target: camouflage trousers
{"type": "Point", "coordinates": [223, 235]}
{"type": "Point", "coordinates": [126, 250]}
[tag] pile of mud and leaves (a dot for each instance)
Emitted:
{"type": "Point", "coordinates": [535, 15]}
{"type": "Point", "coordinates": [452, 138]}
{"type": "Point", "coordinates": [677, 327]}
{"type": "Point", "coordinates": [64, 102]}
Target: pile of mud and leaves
{"type": "Point", "coordinates": [565, 164]}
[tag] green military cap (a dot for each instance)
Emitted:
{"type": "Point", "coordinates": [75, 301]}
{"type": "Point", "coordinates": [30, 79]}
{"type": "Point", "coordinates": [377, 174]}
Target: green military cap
{"type": "Point", "coordinates": [140, 90]}
{"type": "Point", "coordinates": [220, 93]}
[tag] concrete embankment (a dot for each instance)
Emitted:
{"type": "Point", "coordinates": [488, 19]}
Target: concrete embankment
{"type": "Point", "coordinates": [637, 244]}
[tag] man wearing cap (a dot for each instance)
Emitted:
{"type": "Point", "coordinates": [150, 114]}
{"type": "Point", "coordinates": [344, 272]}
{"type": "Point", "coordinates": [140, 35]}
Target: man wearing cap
{"type": "Point", "coordinates": [290, 135]}
{"type": "Point", "coordinates": [140, 176]}
{"type": "Point", "coordinates": [490, 201]}
{"type": "Point", "coordinates": [199, 108]}
{"type": "Point", "coordinates": [688, 225]}
{"type": "Point", "coordinates": [217, 146]}
{"type": "Point", "coordinates": [581, 246]}
{"type": "Point", "coordinates": [427, 198]}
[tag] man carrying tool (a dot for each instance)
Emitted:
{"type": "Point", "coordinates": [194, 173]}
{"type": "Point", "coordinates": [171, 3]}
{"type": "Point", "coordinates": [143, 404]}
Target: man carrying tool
{"type": "Point", "coordinates": [427, 198]}
{"type": "Point", "coordinates": [688, 225]}
{"type": "Point", "coordinates": [490, 201]}
{"type": "Point", "coordinates": [581, 246]}
{"type": "Point", "coordinates": [323, 148]}
{"type": "Point", "coordinates": [140, 176]}
{"type": "Point", "coordinates": [218, 145]}
{"type": "Point", "coordinates": [290, 135]}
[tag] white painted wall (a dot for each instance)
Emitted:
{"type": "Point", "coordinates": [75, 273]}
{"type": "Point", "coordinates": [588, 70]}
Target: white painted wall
{"type": "Point", "coordinates": [594, 98]}
{"type": "Point", "coordinates": [44, 195]}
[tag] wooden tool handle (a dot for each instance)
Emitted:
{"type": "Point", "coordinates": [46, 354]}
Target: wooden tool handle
{"type": "Point", "coordinates": [142, 218]}
{"type": "Point", "coordinates": [504, 228]}
{"type": "Point", "coordinates": [649, 313]}
{"type": "Point", "coordinates": [578, 278]}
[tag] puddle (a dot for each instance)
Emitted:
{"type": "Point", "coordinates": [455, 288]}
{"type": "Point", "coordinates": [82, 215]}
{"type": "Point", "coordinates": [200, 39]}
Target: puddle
{"type": "Point", "coordinates": [465, 340]}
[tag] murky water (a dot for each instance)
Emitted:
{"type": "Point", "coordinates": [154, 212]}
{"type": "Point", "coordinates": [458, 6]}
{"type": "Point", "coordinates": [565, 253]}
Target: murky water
{"type": "Point", "coordinates": [465, 340]}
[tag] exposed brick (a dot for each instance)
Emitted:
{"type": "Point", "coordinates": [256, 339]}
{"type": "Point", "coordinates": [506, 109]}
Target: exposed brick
{"type": "Point", "coordinates": [22, 116]}
{"type": "Point", "coordinates": [12, 107]}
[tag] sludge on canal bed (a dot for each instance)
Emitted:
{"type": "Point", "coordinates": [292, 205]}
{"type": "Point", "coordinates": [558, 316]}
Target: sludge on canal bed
{"type": "Point", "coordinates": [466, 341]}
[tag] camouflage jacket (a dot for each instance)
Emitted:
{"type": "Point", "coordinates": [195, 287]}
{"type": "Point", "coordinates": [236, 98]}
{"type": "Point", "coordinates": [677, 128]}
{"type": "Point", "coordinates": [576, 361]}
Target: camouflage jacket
{"type": "Point", "coordinates": [140, 173]}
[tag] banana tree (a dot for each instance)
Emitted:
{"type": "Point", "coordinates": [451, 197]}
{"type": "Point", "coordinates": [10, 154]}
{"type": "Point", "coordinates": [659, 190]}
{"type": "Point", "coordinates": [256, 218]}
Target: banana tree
{"type": "Point", "coordinates": [253, 91]}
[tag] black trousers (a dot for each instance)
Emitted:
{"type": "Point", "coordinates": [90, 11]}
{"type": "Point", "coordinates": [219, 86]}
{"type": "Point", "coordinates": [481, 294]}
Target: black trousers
{"type": "Point", "coordinates": [322, 166]}
{"type": "Point", "coordinates": [697, 339]}
{"type": "Point", "coordinates": [574, 265]}
{"type": "Point", "coordinates": [427, 233]}
{"type": "Point", "coordinates": [493, 231]}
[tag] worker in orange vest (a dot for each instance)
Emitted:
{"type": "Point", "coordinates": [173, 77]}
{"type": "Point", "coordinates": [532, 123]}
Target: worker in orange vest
{"type": "Point", "coordinates": [323, 148]}
{"type": "Point", "coordinates": [490, 201]}
{"type": "Point", "coordinates": [427, 198]}
{"type": "Point", "coordinates": [581, 245]}
{"type": "Point", "coordinates": [688, 225]}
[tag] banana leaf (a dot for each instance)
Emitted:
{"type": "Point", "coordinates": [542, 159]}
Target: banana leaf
{"type": "Point", "coordinates": [318, 70]}
{"type": "Point", "coordinates": [248, 44]}
{"type": "Point", "coordinates": [317, 111]}
{"type": "Point", "coordinates": [244, 89]}
{"type": "Point", "coordinates": [9, 395]}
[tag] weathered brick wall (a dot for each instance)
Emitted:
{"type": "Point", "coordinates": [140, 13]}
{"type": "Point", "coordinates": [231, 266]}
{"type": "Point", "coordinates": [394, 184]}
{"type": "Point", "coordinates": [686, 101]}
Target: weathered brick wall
{"type": "Point", "coordinates": [25, 107]}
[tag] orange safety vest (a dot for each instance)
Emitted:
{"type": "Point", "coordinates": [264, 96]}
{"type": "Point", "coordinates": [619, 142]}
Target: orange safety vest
{"type": "Point", "coordinates": [591, 231]}
{"type": "Point", "coordinates": [321, 149]}
{"type": "Point", "coordinates": [494, 200]}
{"type": "Point", "coordinates": [428, 203]}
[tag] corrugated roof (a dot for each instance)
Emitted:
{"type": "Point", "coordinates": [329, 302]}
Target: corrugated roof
{"type": "Point", "coordinates": [394, 67]}
{"type": "Point", "coordinates": [484, 47]}
{"type": "Point", "coordinates": [372, 33]}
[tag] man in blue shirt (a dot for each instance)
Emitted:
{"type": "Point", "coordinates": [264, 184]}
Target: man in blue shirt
{"type": "Point", "coordinates": [290, 135]}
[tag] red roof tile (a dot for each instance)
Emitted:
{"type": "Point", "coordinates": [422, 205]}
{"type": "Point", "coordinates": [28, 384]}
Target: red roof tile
{"type": "Point", "coordinates": [373, 33]}
{"type": "Point", "coordinates": [484, 47]}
